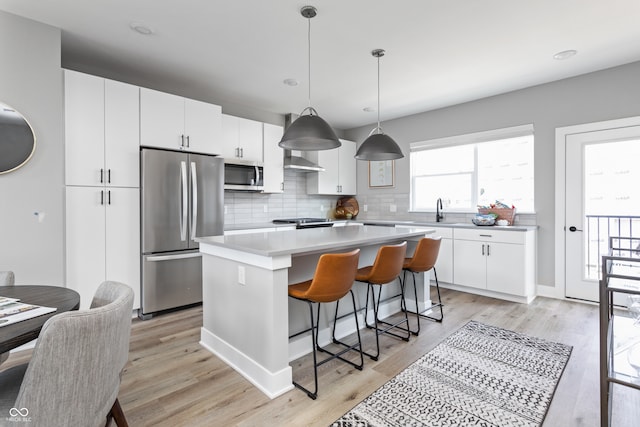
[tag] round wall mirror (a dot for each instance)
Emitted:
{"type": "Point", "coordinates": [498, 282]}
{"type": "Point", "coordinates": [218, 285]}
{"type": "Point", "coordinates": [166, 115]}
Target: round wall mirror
{"type": "Point", "coordinates": [17, 139]}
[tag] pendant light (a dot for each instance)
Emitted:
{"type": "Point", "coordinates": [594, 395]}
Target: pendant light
{"type": "Point", "coordinates": [378, 145]}
{"type": "Point", "coordinates": [310, 131]}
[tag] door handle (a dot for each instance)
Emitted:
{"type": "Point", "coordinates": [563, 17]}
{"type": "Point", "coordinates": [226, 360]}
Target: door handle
{"type": "Point", "coordinates": [573, 229]}
{"type": "Point", "coordinates": [183, 204]}
{"type": "Point", "coordinates": [194, 200]}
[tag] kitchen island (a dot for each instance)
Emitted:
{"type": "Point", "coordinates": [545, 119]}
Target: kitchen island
{"type": "Point", "coordinates": [247, 315]}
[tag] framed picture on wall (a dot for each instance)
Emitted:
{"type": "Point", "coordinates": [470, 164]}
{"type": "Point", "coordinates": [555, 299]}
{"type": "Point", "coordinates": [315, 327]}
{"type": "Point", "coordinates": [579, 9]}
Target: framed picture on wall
{"type": "Point", "coordinates": [382, 173]}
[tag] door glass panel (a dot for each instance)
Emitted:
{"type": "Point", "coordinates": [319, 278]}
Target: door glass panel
{"type": "Point", "coordinates": [611, 198]}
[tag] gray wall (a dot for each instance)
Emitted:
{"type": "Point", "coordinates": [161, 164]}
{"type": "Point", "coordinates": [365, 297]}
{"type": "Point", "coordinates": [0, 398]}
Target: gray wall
{"type": "Point", "coordinates": [31, 82]}
{"type": "Point", "coordinates": [604, 95]}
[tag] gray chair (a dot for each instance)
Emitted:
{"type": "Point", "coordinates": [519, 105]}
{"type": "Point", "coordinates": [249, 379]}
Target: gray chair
{"type": "Point", "coordinates": [7, 278]}
{"type": "Point", "coordinates": [73, 377]}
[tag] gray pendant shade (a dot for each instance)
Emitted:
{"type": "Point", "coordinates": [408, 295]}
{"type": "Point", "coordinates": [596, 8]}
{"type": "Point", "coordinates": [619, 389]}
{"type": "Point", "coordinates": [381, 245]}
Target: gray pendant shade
{"type": "Point", "coordinates": [379, 146]}
{"type": "Point", "coordinates": [309, 133]}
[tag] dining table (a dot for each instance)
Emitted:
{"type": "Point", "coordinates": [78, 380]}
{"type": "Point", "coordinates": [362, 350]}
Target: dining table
{"type": "Point", "coordinates": [19, 333]}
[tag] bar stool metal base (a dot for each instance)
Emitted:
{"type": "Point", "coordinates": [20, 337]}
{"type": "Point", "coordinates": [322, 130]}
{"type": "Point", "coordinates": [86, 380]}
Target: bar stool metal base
{"type": "Point", "coordinates": [389, 327]}
{"type": "Point", "coordinates": [316, 347]}
{"type": "Point", "coordinates": [420, 314]}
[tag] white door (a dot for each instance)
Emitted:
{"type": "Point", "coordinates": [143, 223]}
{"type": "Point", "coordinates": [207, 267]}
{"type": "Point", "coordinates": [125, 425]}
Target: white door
{"type": "Point", "coordinates": [85, 240]}
{"type": "Point", "coordinates": [121, 134]}
{"type": "Point", "coordinates": [161, 120]}
{"type": "Point", "coordinates": [347, 173]}
{"type": "Point", "coordinates": [273, 159]}
{"type": "Point", "coordinates": [122, 238]}
{"type": "Point", "coordinates": [84, 129]}
{"type": "Point", "coordinates": [250, 140]}
{"type": "Point", "coordinates": [202, 126]}
{"type": "Point", "coordinates": [602, 199]}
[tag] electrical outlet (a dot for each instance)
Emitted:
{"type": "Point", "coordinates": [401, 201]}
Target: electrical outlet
{"type": "Point", "coordinates": [392, 208]}
{"type": "Point", "coordinates": [365, 208]}
{"type": "Point", "coordinates": [241, 275]}
{"type": "Point", "coordinates": [225, 209]}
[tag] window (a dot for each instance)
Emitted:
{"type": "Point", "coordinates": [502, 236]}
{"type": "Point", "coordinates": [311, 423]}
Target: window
{"type": "Point", "coordinates": [475, 169]}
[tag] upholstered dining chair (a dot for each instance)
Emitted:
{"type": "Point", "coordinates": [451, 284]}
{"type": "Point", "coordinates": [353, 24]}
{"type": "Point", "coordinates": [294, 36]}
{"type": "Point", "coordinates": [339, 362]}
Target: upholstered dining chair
{"type": "Point", "coordinates": [7, 278]}
{"type": "Point", "coordinates": [73, 377]}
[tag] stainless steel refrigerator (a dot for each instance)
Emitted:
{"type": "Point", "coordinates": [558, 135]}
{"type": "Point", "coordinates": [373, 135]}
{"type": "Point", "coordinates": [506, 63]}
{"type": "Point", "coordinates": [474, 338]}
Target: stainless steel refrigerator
{"type": "Point", "coordinates": [182, 197]}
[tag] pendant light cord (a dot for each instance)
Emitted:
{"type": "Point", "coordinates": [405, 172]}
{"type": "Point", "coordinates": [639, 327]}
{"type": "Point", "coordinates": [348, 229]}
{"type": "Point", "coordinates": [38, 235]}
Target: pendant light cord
{"type": "Point", "coordinates": [379, 129]}
{"type": "Point", "coordinates": [309, 60]}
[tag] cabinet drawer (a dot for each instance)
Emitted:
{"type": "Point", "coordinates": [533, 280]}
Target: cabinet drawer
{"type": "Point", "coordinates": [487, 234]}
{"type": "Point", "coordinates": [445, 233]}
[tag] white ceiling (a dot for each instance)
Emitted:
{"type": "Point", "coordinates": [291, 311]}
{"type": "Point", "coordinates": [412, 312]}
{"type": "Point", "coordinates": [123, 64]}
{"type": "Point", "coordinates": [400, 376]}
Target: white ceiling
{"type": "Point", "coordinates": [439, 52]}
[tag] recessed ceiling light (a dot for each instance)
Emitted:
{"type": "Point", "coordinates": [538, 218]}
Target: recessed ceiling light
{"type": "Point", "coordinates": [369, 109]}
{"type": "Point", "coordinates": [140, 28]}
{"type": "Point", "coordinates": [290, 82]}
{"type": "Point", "coordinates": [565, 54]}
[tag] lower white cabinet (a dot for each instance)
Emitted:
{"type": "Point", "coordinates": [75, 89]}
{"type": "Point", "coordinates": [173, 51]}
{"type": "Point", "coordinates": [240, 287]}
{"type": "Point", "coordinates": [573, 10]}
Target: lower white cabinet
{"type": "Point", "coordinates": [444, 264]}
{"type": "Point", "coordinates": [102, 239]}
{"type": "Point", "coordinates": [494, 260]}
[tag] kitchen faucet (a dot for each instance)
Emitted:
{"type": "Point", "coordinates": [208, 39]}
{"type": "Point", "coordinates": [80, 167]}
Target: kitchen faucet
{"type": "Point", "coordinates": [439, 215]}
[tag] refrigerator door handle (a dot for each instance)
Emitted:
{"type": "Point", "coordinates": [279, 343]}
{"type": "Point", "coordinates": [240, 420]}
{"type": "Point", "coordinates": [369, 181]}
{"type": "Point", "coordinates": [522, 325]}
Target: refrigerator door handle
{"type": "Point", "coordinates": [158, 258]}
{"type": "Point", "coordinates": [184, 203]}
{"type": "Point", "coordinates": [194, 200]}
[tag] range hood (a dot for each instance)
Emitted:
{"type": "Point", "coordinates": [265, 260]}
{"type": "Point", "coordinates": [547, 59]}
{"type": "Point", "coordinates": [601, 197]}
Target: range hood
{"type": "Point", "coordinates": [293, 159]}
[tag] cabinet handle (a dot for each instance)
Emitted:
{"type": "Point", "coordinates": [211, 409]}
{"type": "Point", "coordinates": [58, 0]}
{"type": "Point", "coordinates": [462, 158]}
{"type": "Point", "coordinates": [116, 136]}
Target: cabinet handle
{"type": "Point", "coordinates": [109, 176]}
{"type": "Point", "coordinates": [241, 152]}
{"type": "Point", "coordinates": [182, 140]}
{"type": "Point", "coordinates": [102, 197]}
{"type": "Point", "coordinates": [188, 141]}
{"type": "Point", "coordinates": [282, 186]}
{"type": "Point", "coordinates": [488, 250]}
{"type": "Point", "coordinates": [237, 152]}
{"type": "Point", "coordinates": [101, 175]}
{"type": "Point", "coordinates": [483, 250]}
{"type": "Point", "coordinates": [486, 235]}
{"type": "Point", "coordinates": [109, 197]}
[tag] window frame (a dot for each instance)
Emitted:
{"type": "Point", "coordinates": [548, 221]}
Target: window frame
{"type": "Point", "coordinates": [475, 138]}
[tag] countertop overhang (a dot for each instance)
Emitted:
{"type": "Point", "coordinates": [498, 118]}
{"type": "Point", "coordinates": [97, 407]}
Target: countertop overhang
{"type": "Point", "coordinates": [312, 240]}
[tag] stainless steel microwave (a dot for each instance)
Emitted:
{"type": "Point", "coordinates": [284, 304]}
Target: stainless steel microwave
{"type": "Point", "coordinates": [242, 175]}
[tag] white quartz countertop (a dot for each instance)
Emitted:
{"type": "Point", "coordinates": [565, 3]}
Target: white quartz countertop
{"type": "Point", "coordinates": [312, 240]}
{"type": "Point", "coordinates": [384, 222]}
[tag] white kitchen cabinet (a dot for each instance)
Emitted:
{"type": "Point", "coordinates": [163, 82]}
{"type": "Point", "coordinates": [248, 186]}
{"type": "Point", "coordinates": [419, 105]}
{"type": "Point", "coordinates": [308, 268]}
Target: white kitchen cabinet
{"type": "Point", "coordinates": [339, 176]}
{"type": "Point", "coordinates": [101, 131]}
{"type": "Point", "coordinates": [444, 264]}
{"type": "Point", "coordinates": [241, 138]}
{"type": "Point", "coordinates": [102, 239]}
{"type": "Point", "coordinates": [177, 123]}
{"type": "Point", "coordinates": [273, 159]}
{"type": "Point", "coordinates": [494, 260]}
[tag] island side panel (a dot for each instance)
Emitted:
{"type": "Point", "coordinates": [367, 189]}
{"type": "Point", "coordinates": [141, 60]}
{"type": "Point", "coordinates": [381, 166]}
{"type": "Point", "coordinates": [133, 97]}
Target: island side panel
{"type": "Point", "coordinates": [247, 324]}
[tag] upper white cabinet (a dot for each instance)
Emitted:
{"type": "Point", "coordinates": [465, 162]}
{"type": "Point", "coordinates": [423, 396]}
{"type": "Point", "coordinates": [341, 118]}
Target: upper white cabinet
{"type": "Point", "coordinates": [101, 131]}
{"type": "Point", "coordinates": [499, 261]}
{"type": "Point", "coordinates": [339, 176]}
{"type": "Point", "coordinates": [273, 159]}
{"type": "Point", "coordinates": [177, 123]}
{"type": "Point", "coordinates": [241, 138]}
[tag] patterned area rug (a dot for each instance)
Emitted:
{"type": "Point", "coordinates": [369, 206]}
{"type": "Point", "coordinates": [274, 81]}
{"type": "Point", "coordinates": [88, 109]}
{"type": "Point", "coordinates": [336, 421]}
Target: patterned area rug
{"type": "Point", "coordinates": [479, 376]}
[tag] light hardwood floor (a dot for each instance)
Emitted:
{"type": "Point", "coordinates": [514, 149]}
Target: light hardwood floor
{"type": "Point", "coordinates": [172, 381]}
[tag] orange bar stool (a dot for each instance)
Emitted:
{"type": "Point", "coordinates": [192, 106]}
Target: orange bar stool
{"type": "Point", "coordinates": [333, 279]}
{"type": "Point", "coordinates": [385, 269]}
{"type": "Point", "coordinates": [424, 259]}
